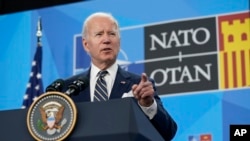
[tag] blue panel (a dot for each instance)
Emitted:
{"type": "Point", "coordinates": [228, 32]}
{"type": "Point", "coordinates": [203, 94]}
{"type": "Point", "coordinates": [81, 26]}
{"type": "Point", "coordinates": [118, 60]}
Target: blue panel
{"type": "Point", "coordinates": [196, 113]}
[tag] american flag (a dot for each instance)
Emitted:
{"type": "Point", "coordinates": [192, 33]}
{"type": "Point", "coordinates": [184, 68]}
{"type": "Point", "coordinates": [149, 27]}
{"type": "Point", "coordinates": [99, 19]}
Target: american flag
{"type": "Point", "coordinates": [35, 85]}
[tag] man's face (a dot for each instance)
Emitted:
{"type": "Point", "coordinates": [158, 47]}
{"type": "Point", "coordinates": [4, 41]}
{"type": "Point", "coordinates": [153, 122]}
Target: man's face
{"type": "Point", "coordinates": [102, 42]}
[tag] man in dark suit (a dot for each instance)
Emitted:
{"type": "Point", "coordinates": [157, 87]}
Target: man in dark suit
{"type": "Point", "coordinates": [101, 40]}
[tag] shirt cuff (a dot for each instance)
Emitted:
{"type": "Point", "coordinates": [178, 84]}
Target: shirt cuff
{"type": "Point", "coordinates": [151, 110]}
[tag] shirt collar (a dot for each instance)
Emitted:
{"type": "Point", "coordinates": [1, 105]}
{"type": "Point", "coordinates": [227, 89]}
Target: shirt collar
{"type": "Point", "coordinates": [112, 70]}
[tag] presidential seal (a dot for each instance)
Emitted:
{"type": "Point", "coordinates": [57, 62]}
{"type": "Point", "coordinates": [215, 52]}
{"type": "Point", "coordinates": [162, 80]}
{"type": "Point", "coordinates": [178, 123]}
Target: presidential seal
{"type": "Point", "coordinates": [51, 117]}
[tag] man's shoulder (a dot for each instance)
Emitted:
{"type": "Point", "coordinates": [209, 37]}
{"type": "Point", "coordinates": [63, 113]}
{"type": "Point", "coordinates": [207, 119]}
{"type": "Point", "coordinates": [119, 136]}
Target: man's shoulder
{"type": "Point", "coordinates": [127, 73]}
{"type": "Point", "coordinates": [132, 75]}
{"type": "Point", "coordinates": [76, 76]}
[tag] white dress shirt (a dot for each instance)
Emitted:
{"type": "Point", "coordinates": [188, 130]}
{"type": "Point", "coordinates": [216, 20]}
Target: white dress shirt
{"type": "Point", "coordinates": [109, 78]}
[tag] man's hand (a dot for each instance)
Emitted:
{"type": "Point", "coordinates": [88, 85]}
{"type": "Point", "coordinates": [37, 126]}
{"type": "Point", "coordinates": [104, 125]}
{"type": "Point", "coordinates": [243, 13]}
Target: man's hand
{"type": "Point", "coordinates": [144, 91]}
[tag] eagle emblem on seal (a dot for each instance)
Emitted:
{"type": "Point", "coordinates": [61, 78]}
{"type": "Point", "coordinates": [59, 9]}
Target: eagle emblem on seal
{"type": "Point", "coordinates": [52, 117]}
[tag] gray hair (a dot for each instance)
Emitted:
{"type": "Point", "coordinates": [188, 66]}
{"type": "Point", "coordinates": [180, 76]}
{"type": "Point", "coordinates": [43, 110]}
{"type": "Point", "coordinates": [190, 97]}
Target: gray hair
{"type": "Point", "coordinates": [98, 14]}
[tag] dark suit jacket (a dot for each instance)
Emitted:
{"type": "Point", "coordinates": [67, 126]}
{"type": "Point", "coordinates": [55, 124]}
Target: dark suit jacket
{"type": "Point", "coordinates": [124, 80]}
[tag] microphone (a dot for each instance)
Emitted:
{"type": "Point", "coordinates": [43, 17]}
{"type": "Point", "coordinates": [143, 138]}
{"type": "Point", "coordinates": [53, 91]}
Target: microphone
{"type": "Point", "coordinates": [77, 86]}
{"type": "Point", "coordinates": [57, 85]}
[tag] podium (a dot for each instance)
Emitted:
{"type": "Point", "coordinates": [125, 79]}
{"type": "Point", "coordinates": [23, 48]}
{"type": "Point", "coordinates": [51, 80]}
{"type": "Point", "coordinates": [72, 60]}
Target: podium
{"type": "Point", "coordinates": [113, 120]}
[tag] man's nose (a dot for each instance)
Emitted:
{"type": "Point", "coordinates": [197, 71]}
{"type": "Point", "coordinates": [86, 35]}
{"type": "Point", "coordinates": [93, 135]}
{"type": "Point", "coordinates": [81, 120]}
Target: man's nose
{"type": "Point", "coordinates": [106, 38]}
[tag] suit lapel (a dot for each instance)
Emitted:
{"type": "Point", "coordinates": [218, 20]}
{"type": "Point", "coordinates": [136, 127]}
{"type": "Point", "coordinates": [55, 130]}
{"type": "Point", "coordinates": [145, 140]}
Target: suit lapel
{"type": "Point", "coordinates": [85, 94]}
{"type": "Point", "coordinates": [121, 85]}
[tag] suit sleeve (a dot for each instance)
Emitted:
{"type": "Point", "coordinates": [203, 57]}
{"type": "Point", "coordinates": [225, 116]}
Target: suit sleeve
{"type": "Point", "coordinates": [162, 121]}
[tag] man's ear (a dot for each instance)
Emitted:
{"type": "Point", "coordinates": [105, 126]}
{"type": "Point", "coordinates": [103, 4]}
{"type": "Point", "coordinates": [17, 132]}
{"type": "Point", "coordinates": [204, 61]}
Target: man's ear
{"type": "Point", "coordinates": [85, 45]}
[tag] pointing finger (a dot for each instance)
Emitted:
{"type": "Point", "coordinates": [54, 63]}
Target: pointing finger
{"type": "Point", "coordinates": [144, 77]}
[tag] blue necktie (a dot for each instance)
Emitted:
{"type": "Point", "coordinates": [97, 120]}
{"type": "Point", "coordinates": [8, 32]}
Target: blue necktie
{"type": "Point", "coordinates": [101, 93]}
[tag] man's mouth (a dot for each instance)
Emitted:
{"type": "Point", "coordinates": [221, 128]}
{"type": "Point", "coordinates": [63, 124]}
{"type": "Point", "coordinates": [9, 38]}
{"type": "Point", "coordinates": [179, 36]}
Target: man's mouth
{"type": "Point", "coordinates": [106, 49]}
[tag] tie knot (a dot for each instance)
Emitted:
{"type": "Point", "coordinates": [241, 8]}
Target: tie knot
{"type": "Point", "coordinates": [102, 73]}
